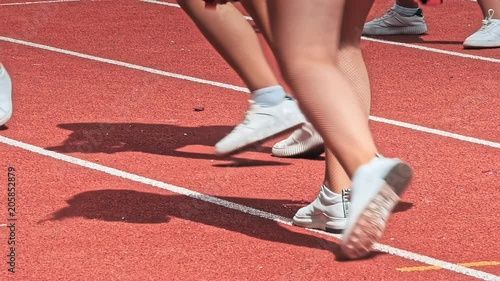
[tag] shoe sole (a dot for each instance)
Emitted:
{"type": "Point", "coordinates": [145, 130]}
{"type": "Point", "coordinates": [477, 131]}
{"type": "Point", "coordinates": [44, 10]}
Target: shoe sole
{"type": "Point", "coordinates": [321, 222]}
{"type": "Point", "coordinates": [409, 30]}
{"type": "Point", "coordinates": [372, 221]}
{"type": "Point", "coordinates": [481, 45]}
{"type": "Point", "coordinates": [313, 147]}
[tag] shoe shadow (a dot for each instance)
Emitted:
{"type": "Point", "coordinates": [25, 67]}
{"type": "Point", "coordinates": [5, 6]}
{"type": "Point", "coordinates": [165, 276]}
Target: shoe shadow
{"type": "Point", "coordinates": [158, 139]}
{"type": "Point", "coordinates": [129, 206]}
{"type": "Point", "coordinates": [313, 157]}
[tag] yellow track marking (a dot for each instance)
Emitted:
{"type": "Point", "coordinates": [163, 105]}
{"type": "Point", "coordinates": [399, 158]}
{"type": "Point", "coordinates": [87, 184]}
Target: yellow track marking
{"type": "Point", "coordinates": [469, 264]}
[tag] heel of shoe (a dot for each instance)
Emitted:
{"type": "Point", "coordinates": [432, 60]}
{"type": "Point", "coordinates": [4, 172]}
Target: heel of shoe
{"type": "Point", "coordinates": [399, 178]}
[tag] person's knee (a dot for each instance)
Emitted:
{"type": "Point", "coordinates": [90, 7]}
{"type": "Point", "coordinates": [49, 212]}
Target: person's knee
{"type": "Point", "coordinates": [308, 54]}
{"type": "Point", "coordinates": [293, 63]}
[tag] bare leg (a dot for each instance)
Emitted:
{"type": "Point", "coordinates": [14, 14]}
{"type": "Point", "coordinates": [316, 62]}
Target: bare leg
{"type": "Point", "coordinates": [308, 53]}
{"type": "Point", "coordinates": [258, 11]}
{"type": "Point", "coordinates": [308, 38]}
{"type": "Point", "coordinates": [336, 179]}
{"type": "Point", "coordinates": [271, 111]}
{"type": "Point", "coordinates": [233, 37]}
{"type": "Point", "coordinates": [352, 65]}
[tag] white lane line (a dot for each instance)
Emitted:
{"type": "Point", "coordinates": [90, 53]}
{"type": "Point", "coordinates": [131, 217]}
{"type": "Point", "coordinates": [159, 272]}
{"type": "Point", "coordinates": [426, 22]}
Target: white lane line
{"type": "Point", "coordinates": [126, 65]}
{"type": "Point", "coordinates": [161, 3]}
{"type": "Point", "coordinates": [238, 207]}
{"type": "Point", "coordinates": [240, 89]}
{"type": "Point", "coordinates": [435, 131]}
{"type": "Point", "coordinates": [37, 2]}
{"type": "Point", "coordinates": [433, 50]}
{"type": "Point", "coordinates": [422, 48]}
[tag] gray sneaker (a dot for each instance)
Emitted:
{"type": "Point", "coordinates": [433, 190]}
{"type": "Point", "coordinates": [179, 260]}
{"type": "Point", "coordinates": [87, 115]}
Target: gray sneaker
{"type": "Point", "coordinates": [393, 23]}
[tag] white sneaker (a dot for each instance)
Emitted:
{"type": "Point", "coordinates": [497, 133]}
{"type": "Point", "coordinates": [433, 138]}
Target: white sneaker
{"type": "Point", "coordinates": [376, 189]}
{"type": "Point", "coordinates": [393, 23]}
{"type": "Point", "coordinates": [303, 142]}
{"type": "Point", "coordinates": [488, 36]}
{"type": "Point", "coordinates": [5, 96]}
{"type": "Point", "coordinates": [261, 123]}
{"type": "Point", "coordinates": [326, 212]}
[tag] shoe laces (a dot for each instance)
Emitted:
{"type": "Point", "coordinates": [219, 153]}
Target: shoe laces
{"type": "Point", "coordinates": [487, 21]}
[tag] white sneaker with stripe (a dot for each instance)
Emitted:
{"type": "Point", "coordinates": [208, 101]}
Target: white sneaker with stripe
{"type": "Point", "coordinates": [261, 123]}
{"type": "Point", "coordinates": [488, 36]}
{"type": "Point", "coordinates": [328, 211]}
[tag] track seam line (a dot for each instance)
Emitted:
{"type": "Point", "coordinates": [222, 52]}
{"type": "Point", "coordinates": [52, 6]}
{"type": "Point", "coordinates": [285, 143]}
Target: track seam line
{"type": "Point", "coordinates": [388, 42]}
{"type": "Point", "coordinates": [239, 207]}
{"type": "Point", "coordinates": [241, 89]}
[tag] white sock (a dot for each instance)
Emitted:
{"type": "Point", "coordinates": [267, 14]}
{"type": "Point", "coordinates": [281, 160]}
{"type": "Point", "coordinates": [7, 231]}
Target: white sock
{"type": "Point", "coordinates": [269, 96]}
{"type": "Point", "coordinates": [406, 12]}
{"type": "Point", "coordinates": [330, 193]}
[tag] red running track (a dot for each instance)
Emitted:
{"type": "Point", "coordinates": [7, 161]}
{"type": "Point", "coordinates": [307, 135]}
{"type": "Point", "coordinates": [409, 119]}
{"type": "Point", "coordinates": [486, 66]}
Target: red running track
{"type": "Point", "coordinates": [76, 221]}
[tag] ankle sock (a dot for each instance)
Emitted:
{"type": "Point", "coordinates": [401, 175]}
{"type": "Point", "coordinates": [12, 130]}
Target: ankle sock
{"type": "Point", "coordinates": [269, 96]}
{"type": "Point", "coordinates": [330, 193]}
{"type": "Point", "coordinates": [403, 11]}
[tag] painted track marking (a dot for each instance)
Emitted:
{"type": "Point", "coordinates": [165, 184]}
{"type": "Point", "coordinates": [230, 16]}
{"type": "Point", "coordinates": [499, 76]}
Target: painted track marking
{"type": "Point", "coordinates": [468, 264]}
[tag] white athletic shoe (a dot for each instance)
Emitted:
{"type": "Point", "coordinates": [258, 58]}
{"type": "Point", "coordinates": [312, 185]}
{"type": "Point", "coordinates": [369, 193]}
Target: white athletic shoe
{"type": "Point", "coordinates": [326, 212]}
{"type": "Point", "coordinates": [393, 23]}
{"type": "Point", "coordinates": [5, 96]}
{"type": "Point", "coordinates": [488, 36]}
{"type": "Point", "coordinates": [261, 123]}
{"type": "Point", "coordinates": [376, 189]}
{"type": "Point", "coordinates": [303, 142]}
